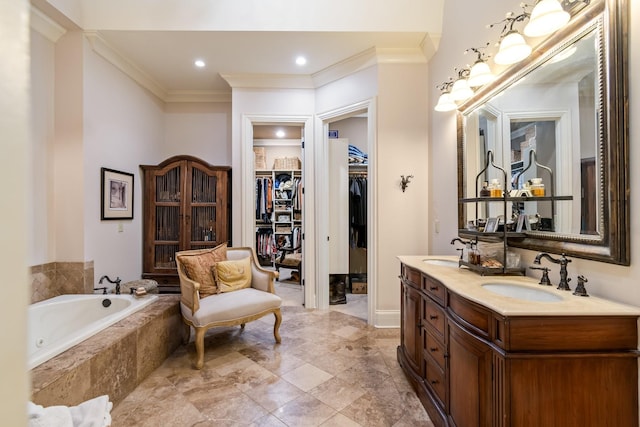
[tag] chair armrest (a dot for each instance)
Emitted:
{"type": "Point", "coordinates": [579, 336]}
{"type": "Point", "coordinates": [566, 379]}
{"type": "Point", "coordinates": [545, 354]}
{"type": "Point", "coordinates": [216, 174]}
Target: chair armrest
{"type": "Point", "coordinates": [262, 279]}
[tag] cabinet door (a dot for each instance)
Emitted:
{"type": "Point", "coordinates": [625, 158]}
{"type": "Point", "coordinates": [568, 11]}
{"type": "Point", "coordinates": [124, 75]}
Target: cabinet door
{"type": "Point", "coordinates": [469, 379]}
{"type": "Point", "coordinates": [206, 222]}
{"type": "Point", "coordinates": [411, 327]}
{"type": "Point", "coordinates": [164, 195]}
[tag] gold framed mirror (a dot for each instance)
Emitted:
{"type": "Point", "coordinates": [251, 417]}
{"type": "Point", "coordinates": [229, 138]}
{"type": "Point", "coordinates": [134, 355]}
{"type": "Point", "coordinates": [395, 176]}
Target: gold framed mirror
{"type": "Point", "coordinates": [565, 108]}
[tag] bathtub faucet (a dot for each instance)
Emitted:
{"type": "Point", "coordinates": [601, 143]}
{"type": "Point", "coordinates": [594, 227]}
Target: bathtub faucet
{"type": "Point", "coordinates": [116, 282]}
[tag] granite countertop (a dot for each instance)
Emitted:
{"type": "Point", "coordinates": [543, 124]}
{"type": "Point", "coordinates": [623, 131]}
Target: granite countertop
{"type": "Point", "coordinates": [467, 284]}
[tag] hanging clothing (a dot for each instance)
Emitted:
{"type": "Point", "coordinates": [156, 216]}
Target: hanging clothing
{"type": "Point", "coordinates": [358, 211]}
{"type": "Point", "coordinates": [265, 244]}
{"type": "Point", "coordinates": [264, 199]}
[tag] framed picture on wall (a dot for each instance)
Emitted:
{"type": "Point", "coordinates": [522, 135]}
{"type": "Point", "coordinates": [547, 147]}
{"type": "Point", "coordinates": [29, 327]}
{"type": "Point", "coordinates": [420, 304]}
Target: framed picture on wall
{"type": "Point", "coordinates": [116, 194]}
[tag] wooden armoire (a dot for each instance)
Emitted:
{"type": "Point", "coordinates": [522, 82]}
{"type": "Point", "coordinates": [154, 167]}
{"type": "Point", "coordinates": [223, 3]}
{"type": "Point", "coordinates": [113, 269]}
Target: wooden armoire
{"type": "Point", "coordinates": [187, 205]}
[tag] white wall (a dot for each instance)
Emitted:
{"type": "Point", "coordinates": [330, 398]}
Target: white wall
{"type": "Point", "coordinates": [41, 220]}
{"type": "Point", "coordinates": [122, 128]}
{"type": "Point", "coordinates": [615, 282]}
{"type": "Point", "coordinates": [14, 150]}
{"type": "Point", "coordinates": [354, 129]}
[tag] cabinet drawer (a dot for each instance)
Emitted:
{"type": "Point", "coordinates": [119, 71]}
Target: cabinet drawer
{"type": "Point", "coordinates": [434, 378]}
{"type": "Point", "coordinates": [434, 288]}
{"type": "Point", "coordinates": [434, 348]}
{"type": "Point", "coordinates": [411, 276]}
{"type": "Point", "coordinates": [434, 317]}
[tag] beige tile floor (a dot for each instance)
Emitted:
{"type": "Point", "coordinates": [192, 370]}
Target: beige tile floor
{"type": "Point", "coordinates": [330, 370]}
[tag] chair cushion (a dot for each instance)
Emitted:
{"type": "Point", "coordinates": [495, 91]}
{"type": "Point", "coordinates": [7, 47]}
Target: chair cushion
{"type": "Point", "coordinates": [198, 265]}
{"type": "Point", "coordinates": [231, 306]}
{"type": "Point", "coordinates": [232, 275]}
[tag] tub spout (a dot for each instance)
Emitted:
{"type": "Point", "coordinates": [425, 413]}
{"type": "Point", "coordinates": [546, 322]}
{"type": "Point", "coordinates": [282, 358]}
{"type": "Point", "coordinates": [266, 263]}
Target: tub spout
{"type": "Point", "coordinates": [116, 282]}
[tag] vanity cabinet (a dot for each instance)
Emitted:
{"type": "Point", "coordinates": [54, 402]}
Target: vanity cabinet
{"type": "Point", "coordinates": [481, 368]}
{"type": "Point", "coordinates": [187, 205]}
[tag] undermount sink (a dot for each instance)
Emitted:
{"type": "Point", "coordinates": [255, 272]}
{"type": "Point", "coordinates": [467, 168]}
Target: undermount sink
{"type": "Point", "coordinates": [514, 290]}
{"type": "Point", "coordinates": [441, 262]}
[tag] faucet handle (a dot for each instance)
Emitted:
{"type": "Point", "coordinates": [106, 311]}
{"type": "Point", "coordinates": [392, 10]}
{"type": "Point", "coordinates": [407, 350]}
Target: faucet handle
{"type": "Point", "coordinates": [544, 280]}
{"type": "Point", "coordinates": [580, 289]}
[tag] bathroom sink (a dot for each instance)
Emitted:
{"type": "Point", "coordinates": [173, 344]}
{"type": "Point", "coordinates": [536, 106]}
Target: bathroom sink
{"type": "Point", "coordinates": [441, 262]}
{"type": "Point", "coordinates": [514, 290]}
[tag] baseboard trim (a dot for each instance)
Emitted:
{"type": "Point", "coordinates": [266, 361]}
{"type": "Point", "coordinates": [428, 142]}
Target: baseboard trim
{"type": "Point", "coordinates": [387, 319]}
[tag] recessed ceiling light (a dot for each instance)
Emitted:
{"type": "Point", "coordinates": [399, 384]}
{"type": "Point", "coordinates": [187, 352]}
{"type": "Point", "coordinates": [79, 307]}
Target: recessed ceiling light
{"type": "Point", "coordinates": [280, 133]}
{"type": "Point", "coordinates": [301, 60]}
{"type": "Point", "coordinates": [199, 63]}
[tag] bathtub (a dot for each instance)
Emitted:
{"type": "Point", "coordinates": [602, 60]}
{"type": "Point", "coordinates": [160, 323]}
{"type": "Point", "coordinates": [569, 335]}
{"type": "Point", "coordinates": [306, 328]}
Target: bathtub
{"type": "Point", "coordinates": [59, 323]}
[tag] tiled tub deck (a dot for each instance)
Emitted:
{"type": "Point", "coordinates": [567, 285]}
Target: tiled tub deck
{"type": "Point", "coordinates": [114, 361]}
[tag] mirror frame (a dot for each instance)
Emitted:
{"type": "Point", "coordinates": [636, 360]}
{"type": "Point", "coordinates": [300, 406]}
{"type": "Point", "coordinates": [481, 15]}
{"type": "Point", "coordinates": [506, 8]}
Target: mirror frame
{"type": "Point", "coordinates": [613, 244]}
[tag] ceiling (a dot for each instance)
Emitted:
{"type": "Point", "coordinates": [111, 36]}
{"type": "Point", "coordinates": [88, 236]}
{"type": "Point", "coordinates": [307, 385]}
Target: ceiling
{"type": "Point", "coordinates": [157, 42]}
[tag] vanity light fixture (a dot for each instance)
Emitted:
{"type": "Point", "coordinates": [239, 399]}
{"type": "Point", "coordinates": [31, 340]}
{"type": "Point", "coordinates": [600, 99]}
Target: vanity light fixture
{"type": "Point", "coordinates": [513, 47]}
{"type": "Point", "coordinates": [445, 103]}
{"type": "Point", "coordinates": [460, 90]}
{"type": "Point", "coordinates": [480, 73]}
{"type": "Point", "coordinates": [546, 17]}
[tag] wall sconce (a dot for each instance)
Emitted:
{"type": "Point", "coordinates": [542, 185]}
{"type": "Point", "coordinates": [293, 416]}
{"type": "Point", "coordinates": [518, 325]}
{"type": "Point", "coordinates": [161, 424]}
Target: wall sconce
{"type": "Point", "coordinates": [546, 17]}
{"type": "Point", "coordinates": [445, 103]}
{"type": "Point", "coordinates": [513, 47]}
{"type": "Point", "coordinates": [480, 73]}
{"type": "Point", "coordinates": [460, 89]}
{"type": "Point", "coordinates": [404, 182]}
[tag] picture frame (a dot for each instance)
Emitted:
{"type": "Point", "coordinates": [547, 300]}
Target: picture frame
{"type": "Point", "coordinates": [116, 194]}
{"type": "Point", "coordinates": [491, 226]}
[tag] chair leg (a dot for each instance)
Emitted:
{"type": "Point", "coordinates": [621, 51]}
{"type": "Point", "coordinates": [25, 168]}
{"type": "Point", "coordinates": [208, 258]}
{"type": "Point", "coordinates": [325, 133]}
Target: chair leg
{"type": "Point", "coordinates": [200, 347]}
{"type": "Point", "coordinates": [276, 326]}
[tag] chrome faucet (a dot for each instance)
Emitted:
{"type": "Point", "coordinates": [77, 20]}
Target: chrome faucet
{"type": "Point", "coordinates": [563, 261]}
{"type": "Point", "coordinates": [116, 282]}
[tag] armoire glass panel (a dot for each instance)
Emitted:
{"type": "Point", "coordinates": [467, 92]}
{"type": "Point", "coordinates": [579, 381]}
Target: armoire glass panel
{"type": "Point", "coordinates": [203, 223]}
{"type": "Point", "coordinates": [168, 186]}
{"type": "Point", "coordinates": [203, 187]}
{"type": "Point", "coordinates": [167, 222]}
{"type": "Point", "coordinates": [165, 256]}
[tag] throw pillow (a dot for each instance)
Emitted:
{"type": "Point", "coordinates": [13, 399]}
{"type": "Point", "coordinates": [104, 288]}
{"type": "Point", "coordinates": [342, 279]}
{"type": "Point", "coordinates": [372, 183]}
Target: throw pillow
{"type": "Point", "coordinates": [233, 275]}
{"type": "Point", "coordinates": [198, 266]}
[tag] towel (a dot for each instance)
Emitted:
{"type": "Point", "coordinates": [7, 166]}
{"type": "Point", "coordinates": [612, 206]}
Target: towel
{"type": "Point", "coordinates": [92, 413]}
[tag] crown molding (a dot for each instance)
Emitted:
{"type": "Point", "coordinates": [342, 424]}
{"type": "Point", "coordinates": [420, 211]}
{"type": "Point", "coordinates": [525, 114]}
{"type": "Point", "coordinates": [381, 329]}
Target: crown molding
{"type": "Point", "coordinates": [198, 96]}
{"type": "Point", "coordinates": [108, 52]}
{"type": "Point", "coordinates": [44, 25]}
{"type": "Point", "coordinates": [270, 81]}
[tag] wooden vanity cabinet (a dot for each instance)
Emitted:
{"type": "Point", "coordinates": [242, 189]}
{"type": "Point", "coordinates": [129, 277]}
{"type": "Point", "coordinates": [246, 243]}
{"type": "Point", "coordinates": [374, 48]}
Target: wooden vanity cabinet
{"type": "Point", "coordinates": [479, 368]}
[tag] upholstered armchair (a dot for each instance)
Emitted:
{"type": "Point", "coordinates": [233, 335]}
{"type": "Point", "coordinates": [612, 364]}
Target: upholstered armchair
{"type": "Point", "coordinates": [224, 289]}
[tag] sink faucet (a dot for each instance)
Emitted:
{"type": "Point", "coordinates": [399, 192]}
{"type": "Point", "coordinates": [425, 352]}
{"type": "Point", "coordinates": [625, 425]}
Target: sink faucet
{"type": "Point", "coordinates": [464, 242]}
{"type": "Point", "coordinates": [563, 261]}
{"type": "Point", "coordinates": [117, 282]}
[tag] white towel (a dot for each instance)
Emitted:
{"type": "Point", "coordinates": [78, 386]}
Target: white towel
{"type": "Point", "coordinates": [53, 416]}
{"type": "Point", "coordinates": [92, 413]}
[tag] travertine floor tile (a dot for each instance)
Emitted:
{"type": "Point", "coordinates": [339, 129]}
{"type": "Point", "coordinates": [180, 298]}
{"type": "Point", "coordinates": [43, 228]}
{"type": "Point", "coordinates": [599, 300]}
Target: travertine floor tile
{"type": "Point", "coordinates": [331, 370]}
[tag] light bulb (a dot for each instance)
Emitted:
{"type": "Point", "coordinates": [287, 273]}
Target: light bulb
{"type": "Point", "coordinates": [546, 17]}
{"type": "Point", "coordinates": [513, 49]}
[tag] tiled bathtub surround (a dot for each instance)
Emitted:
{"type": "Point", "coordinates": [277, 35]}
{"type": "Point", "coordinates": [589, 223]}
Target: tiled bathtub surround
{"type": "Point", "coordinates": [114, 361]}
{"type": "Point", "coordinates": [60, 278]}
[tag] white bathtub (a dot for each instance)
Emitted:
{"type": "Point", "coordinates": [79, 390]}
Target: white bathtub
{"type": "Point", "coordinates": [59, 323]}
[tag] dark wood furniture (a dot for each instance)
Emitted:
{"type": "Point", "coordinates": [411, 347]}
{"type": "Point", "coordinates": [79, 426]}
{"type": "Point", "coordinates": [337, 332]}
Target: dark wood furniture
{"type": "Point", "coordinates": [471, 366]}
{"type": "Point", "coordinates": [187, 205]}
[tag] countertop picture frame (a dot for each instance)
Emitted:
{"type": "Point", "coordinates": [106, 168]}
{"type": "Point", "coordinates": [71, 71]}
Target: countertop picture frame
{"type": "Point", "coordinates": [116, 194]}
{"type": "Point", "coordinates": [491, 226]}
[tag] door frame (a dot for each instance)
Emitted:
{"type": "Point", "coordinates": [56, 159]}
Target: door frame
{"type": "Point", "coordinates": [321, 152]}
{"type": "Point", "coordinates": [247, 183]}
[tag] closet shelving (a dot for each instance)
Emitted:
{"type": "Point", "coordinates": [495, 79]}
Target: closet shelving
{"type": "Point", "coordinates": [503, 235]}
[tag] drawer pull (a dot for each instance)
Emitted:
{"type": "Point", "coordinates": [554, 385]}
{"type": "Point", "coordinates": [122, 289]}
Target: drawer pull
{"type": "Point", "coordinates": [433, 317]}
{"type": "Point", "coordinates": [434, 382]}
{"type": "Point", "coordinates": [433, 288]}
{"type": "Point", "coordinates": [433, 349]}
